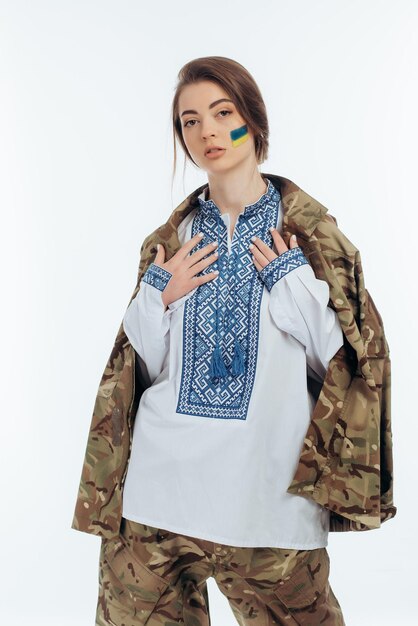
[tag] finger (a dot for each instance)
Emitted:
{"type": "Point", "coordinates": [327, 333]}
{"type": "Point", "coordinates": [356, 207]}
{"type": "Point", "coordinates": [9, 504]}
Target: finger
{"type": "Point", "coordinates": [202, 252]}
{"type": "Point", "coordinates": [160, 256]}
{"type": "Point", "coordinates": [293, 242]}
{"type": "Point", "coordinates": [200, 266]}
{"type": "Point", "coordinates": [188, 246]}
{"type": "Point", "coordinates": [205, 278]}
{"type": "Point", "coordinates": [278, 241]}
{"type": "Point", "coordinates": [260, 246]}
{"type": "Point", "coordinates": [260, 257]}
{"type": "Point", "coordinates": [257, 264]}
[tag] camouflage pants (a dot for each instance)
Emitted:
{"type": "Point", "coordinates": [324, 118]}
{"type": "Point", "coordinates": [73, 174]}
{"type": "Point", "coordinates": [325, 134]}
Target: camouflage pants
{"type": "Point", "coordinates": [157, 577]}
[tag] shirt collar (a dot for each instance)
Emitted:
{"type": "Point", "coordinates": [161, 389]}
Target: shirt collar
{"type": "Point", "coordinates": [265, 201]}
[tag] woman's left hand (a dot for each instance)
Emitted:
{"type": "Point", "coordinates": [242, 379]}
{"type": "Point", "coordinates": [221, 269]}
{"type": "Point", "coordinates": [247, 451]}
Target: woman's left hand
{"type": "Point", "coordinates": [263, 254]}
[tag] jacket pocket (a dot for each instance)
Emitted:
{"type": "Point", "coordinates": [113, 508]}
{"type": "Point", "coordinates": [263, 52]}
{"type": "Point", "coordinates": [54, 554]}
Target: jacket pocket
{"type": "Point", "coordinates": [306, 583]}
{"type": "Point", "coordinates": [132, 589]}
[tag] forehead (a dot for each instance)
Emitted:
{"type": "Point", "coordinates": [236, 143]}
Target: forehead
{"type": "Point", "coordinates": [201, 95]}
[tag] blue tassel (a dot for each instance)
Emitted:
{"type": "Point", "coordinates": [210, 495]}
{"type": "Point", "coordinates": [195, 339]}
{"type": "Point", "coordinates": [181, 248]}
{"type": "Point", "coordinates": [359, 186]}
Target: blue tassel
{"type": "Point", "coordinates": [239, 359]}
{"type": "Point", "coordinates": [217, 366]}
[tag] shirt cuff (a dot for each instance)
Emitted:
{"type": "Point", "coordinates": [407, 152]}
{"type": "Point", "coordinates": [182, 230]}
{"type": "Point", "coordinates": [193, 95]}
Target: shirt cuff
{"type": "Point", "coordinates": [157, 276]}
{"type": "Point", "coordinates": [282, 265]}
{"type": "Point", "coordinates": [154, 298]}
{"type": "Point", "coordinates": [152, 304]}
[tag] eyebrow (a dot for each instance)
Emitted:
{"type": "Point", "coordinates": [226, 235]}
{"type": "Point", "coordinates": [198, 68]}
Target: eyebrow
{"type": "Point", "coordinates": [213, 104]}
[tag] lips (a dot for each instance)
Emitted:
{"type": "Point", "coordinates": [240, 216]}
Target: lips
{"type": "Point", "coordinates": [214, 149]}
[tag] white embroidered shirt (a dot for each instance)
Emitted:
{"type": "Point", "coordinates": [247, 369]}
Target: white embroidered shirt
{"type": "Point", "coordinates": [215, 446]}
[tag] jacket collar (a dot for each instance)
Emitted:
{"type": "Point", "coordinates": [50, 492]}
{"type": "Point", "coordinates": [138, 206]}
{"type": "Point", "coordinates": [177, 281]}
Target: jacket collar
{"type": "Point", "coordinates": [301, 213]}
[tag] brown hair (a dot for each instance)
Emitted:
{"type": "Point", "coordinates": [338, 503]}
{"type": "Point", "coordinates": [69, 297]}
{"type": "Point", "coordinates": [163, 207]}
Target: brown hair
{"type": "Point", "coordinates": [240, 87]}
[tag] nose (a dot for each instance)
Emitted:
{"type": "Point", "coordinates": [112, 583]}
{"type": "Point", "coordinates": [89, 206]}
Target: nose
{"type": "Point", "coordinates": [207, 129]}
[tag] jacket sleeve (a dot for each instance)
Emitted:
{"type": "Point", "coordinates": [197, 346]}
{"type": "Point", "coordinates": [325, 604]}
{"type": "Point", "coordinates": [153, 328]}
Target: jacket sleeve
{"type": "Point", "coordinates": [299, 306]}
{"type": "Point", "coordinates": [379, 359]}
{"type": "Point", "coordinates": [147, 321]}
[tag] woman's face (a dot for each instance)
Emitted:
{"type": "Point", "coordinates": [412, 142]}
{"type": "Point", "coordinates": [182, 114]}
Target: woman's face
{"type": "Point", "coordinates": [206, 122]}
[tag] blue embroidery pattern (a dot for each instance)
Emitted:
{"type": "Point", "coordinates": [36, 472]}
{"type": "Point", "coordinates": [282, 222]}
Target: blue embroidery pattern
{"type": "Point", "coordinates": [230, 396]}
{"type": "Point", "coordinates": [157, 276]}
{"type": "Point", "coordinates": [282, 265]}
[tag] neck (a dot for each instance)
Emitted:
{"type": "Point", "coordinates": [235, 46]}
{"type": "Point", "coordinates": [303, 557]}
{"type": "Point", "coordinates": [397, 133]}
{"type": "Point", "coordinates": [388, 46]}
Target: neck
{"type": "Point", "coordinates": [232, 191]}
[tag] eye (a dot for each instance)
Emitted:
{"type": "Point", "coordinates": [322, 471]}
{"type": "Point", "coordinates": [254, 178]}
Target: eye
{"type": "Point", "coordinates": [222, 111]}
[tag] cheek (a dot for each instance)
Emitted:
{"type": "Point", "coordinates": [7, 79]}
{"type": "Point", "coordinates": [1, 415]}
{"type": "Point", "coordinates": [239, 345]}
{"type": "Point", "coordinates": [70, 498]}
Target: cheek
{"type": "Point", "coordinates": [239, 135]}
{"type": "Point", "coordinates": [191, 145]}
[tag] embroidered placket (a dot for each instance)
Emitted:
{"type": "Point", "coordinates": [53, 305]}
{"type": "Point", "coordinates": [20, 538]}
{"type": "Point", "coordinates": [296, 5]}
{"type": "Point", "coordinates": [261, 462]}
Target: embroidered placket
{"type": "Point", "coordinates": [229, 397]}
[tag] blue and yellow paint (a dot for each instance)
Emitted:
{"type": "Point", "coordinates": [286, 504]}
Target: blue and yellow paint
{"type": "Point", "coordinates": [239, 135]}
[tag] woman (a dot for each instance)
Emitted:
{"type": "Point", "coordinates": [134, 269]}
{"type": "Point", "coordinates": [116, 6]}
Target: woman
{"type": "Point", "coordinates": [226, 331]}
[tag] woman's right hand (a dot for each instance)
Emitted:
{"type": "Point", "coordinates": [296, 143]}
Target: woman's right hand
{"type": "Point", "coordinates": [184, 268]}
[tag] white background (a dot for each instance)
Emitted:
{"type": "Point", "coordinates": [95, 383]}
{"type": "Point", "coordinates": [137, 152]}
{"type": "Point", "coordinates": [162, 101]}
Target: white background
{"type": "Point", "coordinates": [86, 163]}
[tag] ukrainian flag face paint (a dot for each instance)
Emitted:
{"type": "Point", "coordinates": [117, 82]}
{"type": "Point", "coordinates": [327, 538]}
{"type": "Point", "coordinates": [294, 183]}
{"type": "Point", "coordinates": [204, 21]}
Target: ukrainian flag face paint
{"type": "Point", "coordinates": [239, 135]}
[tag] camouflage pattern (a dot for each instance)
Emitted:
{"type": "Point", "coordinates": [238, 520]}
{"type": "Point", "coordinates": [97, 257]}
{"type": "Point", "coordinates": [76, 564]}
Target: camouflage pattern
{"type": "Point", "coordinates": [346, 460]}
{"type": "Point", "coordinates": [156, 577]}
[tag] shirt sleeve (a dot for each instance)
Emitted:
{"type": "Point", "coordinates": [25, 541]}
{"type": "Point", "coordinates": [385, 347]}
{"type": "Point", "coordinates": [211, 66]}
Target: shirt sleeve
{"type": "Point", "coordinates": [147, 322]}
{"type": "Point", "coordinates": [299, 306]}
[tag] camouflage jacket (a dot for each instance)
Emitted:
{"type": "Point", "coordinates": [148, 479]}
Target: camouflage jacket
{"type": "Point", "coordinates": [346, 460]}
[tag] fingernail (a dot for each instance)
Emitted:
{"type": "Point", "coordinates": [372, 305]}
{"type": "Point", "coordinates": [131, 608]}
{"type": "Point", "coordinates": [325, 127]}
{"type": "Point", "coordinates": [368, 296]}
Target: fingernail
{"type": "Point", "coordinates": [271, 228]}
{"type": "Point", "coordinates": [294, 237]}
{"type": "Point", "coordinates": [158, 246]}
